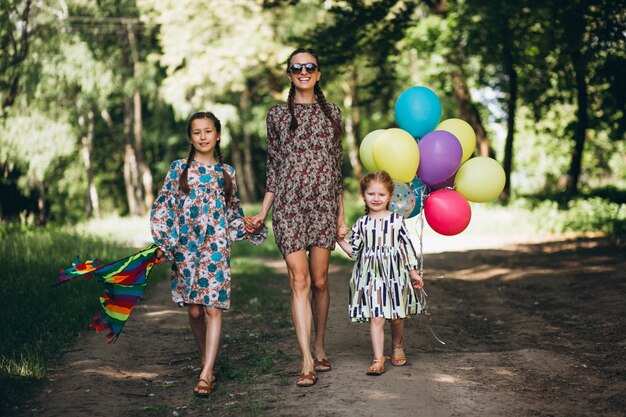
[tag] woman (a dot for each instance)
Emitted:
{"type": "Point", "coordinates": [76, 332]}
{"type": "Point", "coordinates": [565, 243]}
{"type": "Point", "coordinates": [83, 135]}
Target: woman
{"type": "Point", "coordinates": [304, 186]}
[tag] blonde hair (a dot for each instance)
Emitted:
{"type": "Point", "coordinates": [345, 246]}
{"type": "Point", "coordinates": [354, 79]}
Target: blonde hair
{"type": "Point", "coordinates": [381, 177]}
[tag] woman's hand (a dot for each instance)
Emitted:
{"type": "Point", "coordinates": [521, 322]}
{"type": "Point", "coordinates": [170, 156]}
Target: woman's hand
{"type": "Point", "coordinates": [342, 232]}
{"type": "Point", "coordinates": [418, 282]}
{"type": "Point", "coordinates": [342, 229]}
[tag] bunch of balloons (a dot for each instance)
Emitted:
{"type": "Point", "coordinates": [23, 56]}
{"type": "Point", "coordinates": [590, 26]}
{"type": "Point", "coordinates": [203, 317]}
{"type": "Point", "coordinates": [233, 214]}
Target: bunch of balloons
{"type": "Point", "coordinates": [431, 162]}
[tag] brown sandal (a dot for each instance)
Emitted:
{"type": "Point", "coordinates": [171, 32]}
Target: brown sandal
{"type": "Point", "coordinates": [306, 380]}
{"type": "Point", "coordinates": [204, 388]}
{"type": "Point", "coordinates": [378, 366]}
{"type": "Point", "coordinates": [399, 358]}
{"type": "Point", "coordinates": [322, 365]}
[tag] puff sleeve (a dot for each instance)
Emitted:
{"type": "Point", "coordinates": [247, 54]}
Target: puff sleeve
{"type": "Point", "coordinates": [236, 222]}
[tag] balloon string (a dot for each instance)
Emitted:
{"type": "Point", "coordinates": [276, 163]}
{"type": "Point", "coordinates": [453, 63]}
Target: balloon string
{"type": "Point", "coordinates": [425, 312]}
{"type": "Point", "coordinates": [419, 230]}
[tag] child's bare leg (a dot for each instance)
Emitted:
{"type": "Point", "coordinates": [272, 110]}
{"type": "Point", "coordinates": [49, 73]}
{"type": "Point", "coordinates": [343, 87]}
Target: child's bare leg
{"type": "Point", "coordinates": [213, 320]}
{"type": "Point", "coordinates": [397, 333]}
{"type": "Point", "coordinates": [377, 333]}
{"type": "Point", "coordinates": [398, 356]}
{"type": "Point", "coordinates": [198, 328]}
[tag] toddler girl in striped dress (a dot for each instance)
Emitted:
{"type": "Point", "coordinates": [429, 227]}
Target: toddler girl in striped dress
{"type": "Point", "coordinates": [385, 274]}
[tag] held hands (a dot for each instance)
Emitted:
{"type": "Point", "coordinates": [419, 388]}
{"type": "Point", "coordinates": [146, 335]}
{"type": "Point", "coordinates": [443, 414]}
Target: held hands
{"type": "Point", "coordinates": [417, 281]}
{"type": "Point", "coordinates": [254, 224]}
{"type": "Point", "coordinates": [342, 231]}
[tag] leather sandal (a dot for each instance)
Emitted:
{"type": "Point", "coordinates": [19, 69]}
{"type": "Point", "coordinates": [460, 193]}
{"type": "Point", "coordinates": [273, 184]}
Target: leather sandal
{"type": "Point", "coordinates": [399, 357]}
{"type": "Point", "coordinates": [306, 380]}
{"type": "Point", "coordinates": [204, 388]}
{"type": "Point", "coordinates": [322, 365]}
{"type": "Point", "coordinates": [378, 366]}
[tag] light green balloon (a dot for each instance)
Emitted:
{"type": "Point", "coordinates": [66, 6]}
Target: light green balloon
{"type": "Point", "coordinates": [366, 153]}
{"type": "Point", "coordinates": [480, 179]}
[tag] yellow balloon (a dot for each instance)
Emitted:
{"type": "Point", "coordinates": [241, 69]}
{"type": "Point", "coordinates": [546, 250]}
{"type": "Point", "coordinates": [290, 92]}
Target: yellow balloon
{"type": "Point", "coordinates": [396, 152]}
{"type": "Point", "coordinates": [463, 132]}
{"type": "Point", "coordinates": [480, 179]}
{"type": "Point", "coordinates": [365, 150]}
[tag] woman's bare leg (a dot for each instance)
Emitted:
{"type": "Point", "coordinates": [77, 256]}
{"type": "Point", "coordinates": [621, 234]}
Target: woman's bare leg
{"type": "Point", "coordinates": [318, 266]}
{"type": "Point", "coordinates": [300, 282]}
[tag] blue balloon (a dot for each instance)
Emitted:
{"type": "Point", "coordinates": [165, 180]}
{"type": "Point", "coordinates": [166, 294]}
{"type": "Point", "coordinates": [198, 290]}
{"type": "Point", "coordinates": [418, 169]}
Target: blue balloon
{"type": "Point", "coordinates": [420, 191]}
{"type": "Point", "coordinates": [418, 111]}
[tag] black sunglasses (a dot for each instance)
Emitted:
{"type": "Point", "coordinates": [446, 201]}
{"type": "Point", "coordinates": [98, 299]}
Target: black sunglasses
{"type": "Point", "coordinates": [297, 68]}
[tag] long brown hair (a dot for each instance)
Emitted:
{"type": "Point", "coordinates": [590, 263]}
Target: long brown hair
{"type": "Point", "coordinates": [381, 177]}
{"type": "Point", "coordinates": [228, 181]}
{"type": "Point", "coordinates": [319, 95]}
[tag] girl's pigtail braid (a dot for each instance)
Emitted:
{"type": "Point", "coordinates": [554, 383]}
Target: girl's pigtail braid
{"type": "Point", "coordinates": [337, 129]}
{"type": "Point", "coordinates": [291, 106]}
{"type": "Point", "coordinates": [183, 183]}
{"type": "Point", "coordinates": [228, 181]}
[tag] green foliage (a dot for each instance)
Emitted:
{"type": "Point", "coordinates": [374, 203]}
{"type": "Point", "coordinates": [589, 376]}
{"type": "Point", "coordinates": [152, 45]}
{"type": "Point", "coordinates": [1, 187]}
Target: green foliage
{"type": "Point", "coordinates": [202, 55]}
{"type": "Point", "coordinates": [589, 215]}
{"type": "Point", "coordinates": [34, 142]}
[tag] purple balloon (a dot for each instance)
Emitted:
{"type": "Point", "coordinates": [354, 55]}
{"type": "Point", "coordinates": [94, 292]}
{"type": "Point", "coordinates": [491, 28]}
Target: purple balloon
{"type": "Point", "coordinates": [449, 183]}
{"type": "Point", "coordinates": [440, 156]}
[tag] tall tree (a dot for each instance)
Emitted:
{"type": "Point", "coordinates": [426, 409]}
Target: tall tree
{"type": "Point", "coordinates": [212, 63]}
{"type": "Point", "coordinates": [15, 31]}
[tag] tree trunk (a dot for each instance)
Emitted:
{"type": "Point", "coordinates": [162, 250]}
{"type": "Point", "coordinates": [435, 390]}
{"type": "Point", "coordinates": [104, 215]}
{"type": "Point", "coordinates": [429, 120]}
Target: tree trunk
{"type": "Point", "coordinates": [351, 120]}
{"type": "Point", "coordinates": [42, 217]}
{"type": "Point", "coordinates": [144, 170]}
{"type": "Point", "coordinates": [131, 169]}
{"type": "Point", "coordinates": [132, 174]}
{"type": "Point", "coordinates": [92, 206]}
{"type": "Point", "coordinates": [580, 131]}
{"type": "Point", "coordinates": [470, 113]}
{"type": "Point", "coordinates": [511, 110]}
{"type": "Point", "coordinates": [468, 110]}
{"type": "Point", "coordinates": [248, 180]}
{"type": "Point", "coordinates": [237, 162]}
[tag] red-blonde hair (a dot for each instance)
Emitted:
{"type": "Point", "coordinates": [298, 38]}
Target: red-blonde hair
{"type": "Point", "coordinates": [381, 177]}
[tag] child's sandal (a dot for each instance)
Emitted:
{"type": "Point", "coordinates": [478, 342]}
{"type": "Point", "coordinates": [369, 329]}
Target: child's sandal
{"type": "Point", "coordinates": [399, 357]}
{"type": "Point", "coordinates": [378, 366]}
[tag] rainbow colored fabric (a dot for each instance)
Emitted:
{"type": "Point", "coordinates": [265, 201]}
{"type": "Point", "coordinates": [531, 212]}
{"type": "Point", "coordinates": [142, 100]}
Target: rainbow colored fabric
{"type": "Point", "coordinates": [124, 282]}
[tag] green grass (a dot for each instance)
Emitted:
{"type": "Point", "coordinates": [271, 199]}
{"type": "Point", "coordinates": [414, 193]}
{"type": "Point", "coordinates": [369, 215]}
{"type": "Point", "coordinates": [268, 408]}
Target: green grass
{"type": "Point", "coordinates": [39, 320]}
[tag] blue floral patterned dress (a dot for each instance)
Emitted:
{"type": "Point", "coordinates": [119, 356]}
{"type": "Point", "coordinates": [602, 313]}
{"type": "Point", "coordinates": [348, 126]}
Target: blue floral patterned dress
{"type": "Point", "coordinates": [380, 285]}
{"type": "Point", "coordinates": [195, 232]}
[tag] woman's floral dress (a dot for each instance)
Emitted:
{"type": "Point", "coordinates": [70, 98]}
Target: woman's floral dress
{"type": "Point", "coordinates": [380, 285]}
{"type": "Point", "coordinates": [195, 232]}
{"type": "Point", "coordinates": [304, 173]}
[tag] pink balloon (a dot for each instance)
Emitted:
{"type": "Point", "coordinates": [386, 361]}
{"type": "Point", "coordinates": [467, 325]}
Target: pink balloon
{"type": "Point", "coordinates": [440, 156]}
{"type": "Point", "coordinates": [447, 212]}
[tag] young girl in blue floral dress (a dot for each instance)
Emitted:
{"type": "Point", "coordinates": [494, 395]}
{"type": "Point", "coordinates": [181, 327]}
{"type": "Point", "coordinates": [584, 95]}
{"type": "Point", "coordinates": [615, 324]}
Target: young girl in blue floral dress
{"type": "Point", "coordinates": [193, 221]}
{"type": "Point", "coordinates": [385, 274]}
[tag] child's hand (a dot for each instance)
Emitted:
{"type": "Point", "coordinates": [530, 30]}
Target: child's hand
{"type": "Point", "coordinates": [417, 281]}
{"type": "Point", "coordinates": [159, 257]}
{"type": "Point", "coordinates": [342, 232]}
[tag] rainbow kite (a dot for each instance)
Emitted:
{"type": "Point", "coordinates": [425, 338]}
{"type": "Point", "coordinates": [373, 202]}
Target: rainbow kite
{"type": "Point", "coordinates": [124, 282]}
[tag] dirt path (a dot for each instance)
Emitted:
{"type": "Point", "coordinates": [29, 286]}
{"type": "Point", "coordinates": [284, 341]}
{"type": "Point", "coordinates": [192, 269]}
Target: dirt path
{"type": "Point", "coordinates": [531, 330]}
